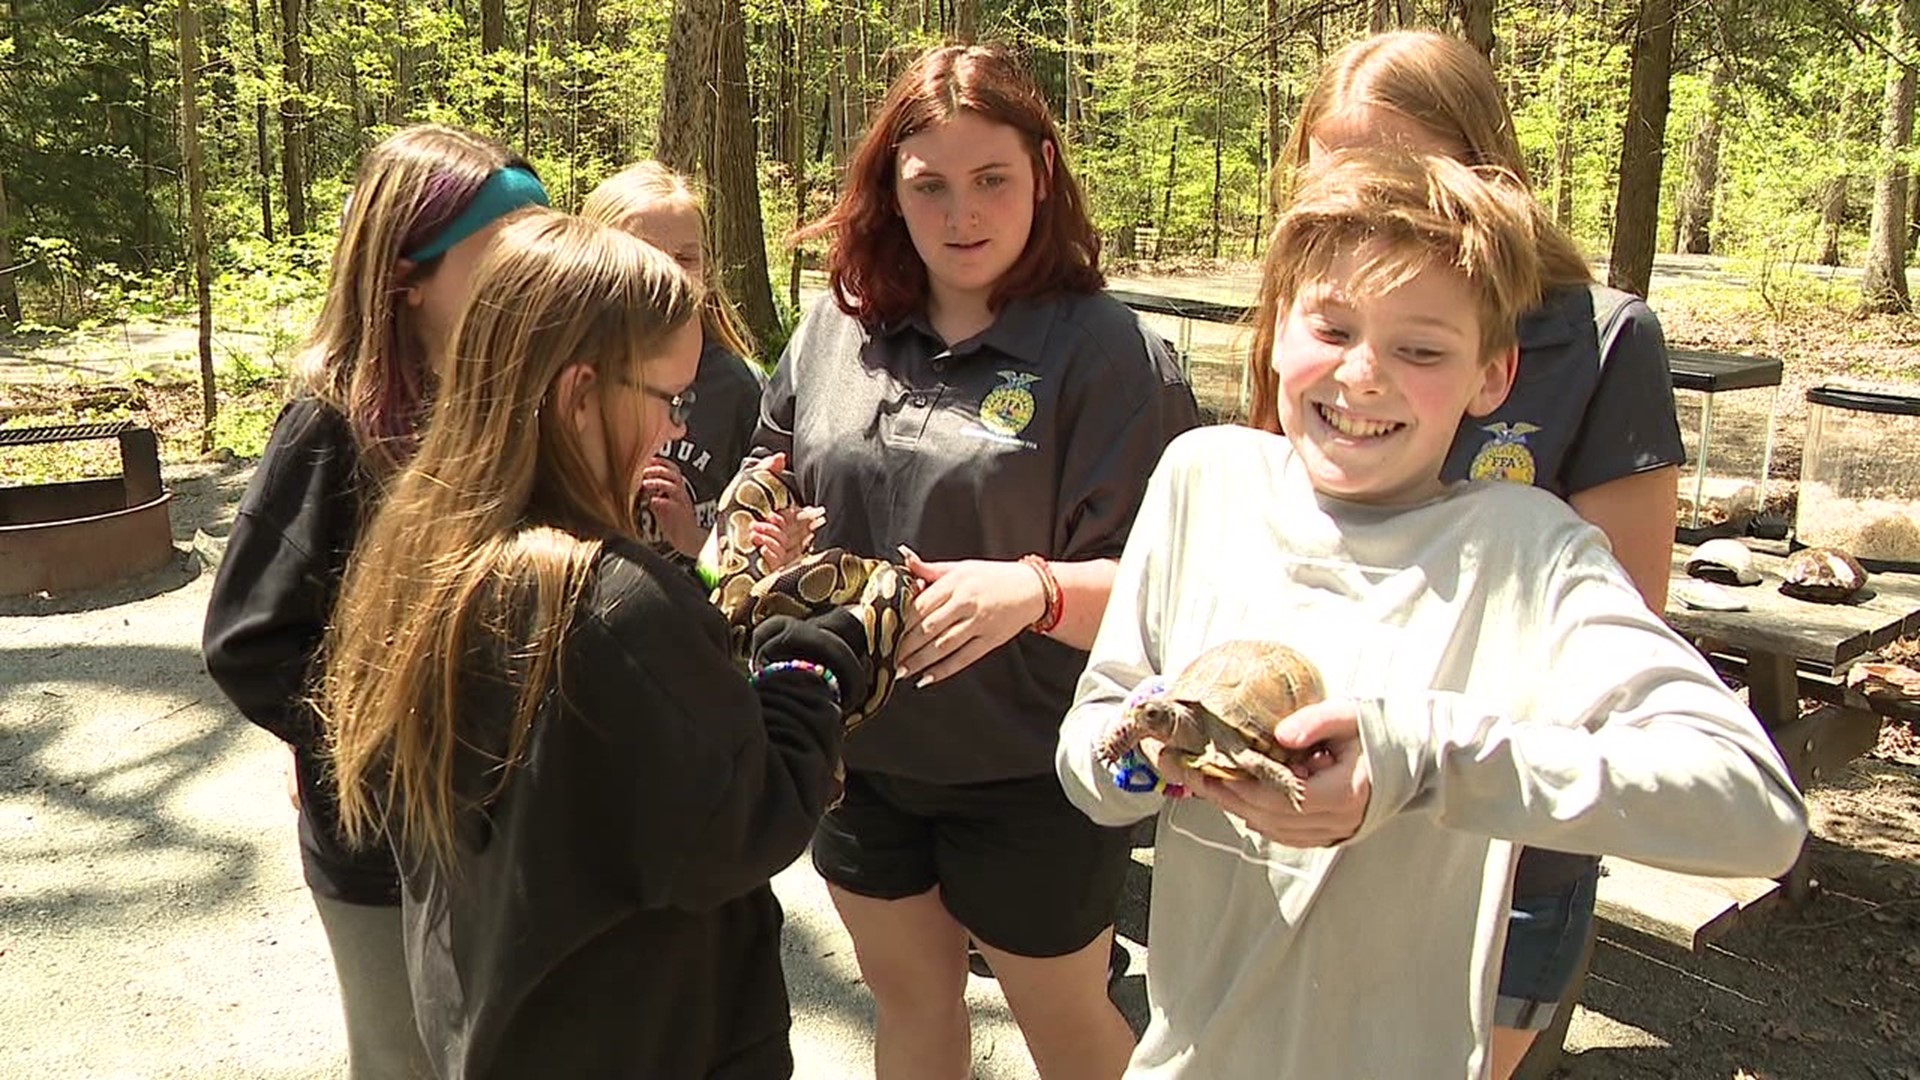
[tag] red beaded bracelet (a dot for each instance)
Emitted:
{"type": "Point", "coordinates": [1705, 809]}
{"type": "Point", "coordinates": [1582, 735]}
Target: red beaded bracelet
{"type": "Point", "coordinates": [1056, 598]}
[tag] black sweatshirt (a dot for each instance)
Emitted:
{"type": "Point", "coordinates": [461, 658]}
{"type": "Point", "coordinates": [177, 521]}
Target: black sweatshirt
{"type": "Point", "coordinates": [269, 610]}
{"type": "Point", "coordinates": [609, 913]}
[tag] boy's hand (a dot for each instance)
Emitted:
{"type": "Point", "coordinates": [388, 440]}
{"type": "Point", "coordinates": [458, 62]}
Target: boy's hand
{"type": "Point", "coordinates": [1338, 788]}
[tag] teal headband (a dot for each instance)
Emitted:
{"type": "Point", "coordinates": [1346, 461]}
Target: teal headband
{"type": "Point", "coordinates": [505, 191]}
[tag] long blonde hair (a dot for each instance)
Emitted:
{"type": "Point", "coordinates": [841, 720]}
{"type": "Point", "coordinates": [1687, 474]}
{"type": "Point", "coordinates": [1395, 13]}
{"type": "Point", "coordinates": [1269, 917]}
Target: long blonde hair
{"type": "Point", "coordinates": [484, 541]}
{"type": "Point", "coordinates": [363, 357]}
{"type": "Point", "coordinates": [632, 192]}
{"type": "Point", "coordinates": [1400, 214]}
{"type": "Point", "coordinates": [1448, 88]}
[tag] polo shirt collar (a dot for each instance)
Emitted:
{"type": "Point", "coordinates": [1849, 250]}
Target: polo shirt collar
{"type": "Point", "coordinates": [1020, 330]}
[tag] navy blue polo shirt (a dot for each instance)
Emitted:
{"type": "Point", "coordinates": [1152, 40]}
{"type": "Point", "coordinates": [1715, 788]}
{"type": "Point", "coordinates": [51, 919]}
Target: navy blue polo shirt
{"type": "Point", "coordinates": [1035, 436]}
{"type": "Point", "coordinates": [1574, 420]}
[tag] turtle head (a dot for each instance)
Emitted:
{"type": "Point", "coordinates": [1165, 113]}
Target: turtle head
{"type": "Point", "coordinates": [1172, 722]}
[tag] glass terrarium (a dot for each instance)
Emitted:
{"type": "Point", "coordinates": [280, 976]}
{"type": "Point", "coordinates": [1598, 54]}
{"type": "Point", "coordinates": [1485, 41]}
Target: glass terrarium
{"type": "Point", "coordinates": [1860, 475]}
{"type": "Point", "coordinates": [1725, 404]}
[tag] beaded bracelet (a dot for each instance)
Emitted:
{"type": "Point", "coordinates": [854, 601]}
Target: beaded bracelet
{"type": "Point", "coordinates": [819, 671]}
{"type": "Point", "coordinates": [1056, 599]}
{"type": "Point", "coordinates": [1132, 773]}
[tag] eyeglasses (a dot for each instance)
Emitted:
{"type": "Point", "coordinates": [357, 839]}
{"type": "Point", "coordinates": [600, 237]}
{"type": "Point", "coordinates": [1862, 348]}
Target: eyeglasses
{"type": "Point", "coordinates": [679, 406]}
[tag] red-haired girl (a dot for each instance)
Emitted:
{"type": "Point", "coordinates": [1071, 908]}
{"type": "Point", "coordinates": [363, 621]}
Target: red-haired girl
{"type": "Point", "coordinates": [968, 397]}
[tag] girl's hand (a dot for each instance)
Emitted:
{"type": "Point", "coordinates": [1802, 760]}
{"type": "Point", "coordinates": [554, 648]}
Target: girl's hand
{"type": "Point", "coordinates": [790, 535]}
{"type": "Point", "coordinates": [1338, 788]}
{"type": "Point", "coordinates": [672, 504]}
{"type": "Point", "coordinates": [967, 610]}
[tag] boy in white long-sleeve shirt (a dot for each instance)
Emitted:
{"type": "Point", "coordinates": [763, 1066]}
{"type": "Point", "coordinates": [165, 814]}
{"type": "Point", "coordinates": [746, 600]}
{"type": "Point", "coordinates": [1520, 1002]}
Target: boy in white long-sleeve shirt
{"type": "Point", "coordinates": [1493, 677]}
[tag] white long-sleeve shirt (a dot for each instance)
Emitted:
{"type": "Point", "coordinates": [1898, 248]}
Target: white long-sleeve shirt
{"type": "Point", "coordinates": [1514, 689]}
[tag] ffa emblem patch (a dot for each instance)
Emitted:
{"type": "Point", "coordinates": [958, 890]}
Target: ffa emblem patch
{"type": "Point", "coordinates": [1008, 408]}
{"type": "Point", "coordinates": [1505, 456]}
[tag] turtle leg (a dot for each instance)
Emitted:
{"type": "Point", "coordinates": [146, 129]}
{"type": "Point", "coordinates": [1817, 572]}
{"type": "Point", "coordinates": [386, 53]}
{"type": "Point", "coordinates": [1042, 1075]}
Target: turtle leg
{"type": "Point", "coordinates": [1119, 739]}
{"type": "Point", "coordinates": [1272, 774]}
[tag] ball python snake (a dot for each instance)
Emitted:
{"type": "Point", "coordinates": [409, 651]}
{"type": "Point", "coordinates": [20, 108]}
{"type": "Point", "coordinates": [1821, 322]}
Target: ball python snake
{"type": "Point", "coordinates": [748, 592]}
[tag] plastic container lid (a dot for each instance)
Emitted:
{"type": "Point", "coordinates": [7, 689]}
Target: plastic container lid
{"type": "Point", "coordinates": [1710, 372]}
{"type": "Point", "coordinates": [1862, 400]}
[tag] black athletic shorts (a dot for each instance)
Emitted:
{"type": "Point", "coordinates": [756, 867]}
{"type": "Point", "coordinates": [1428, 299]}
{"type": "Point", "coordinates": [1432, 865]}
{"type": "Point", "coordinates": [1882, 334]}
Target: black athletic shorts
{"type": "Point", "coordinates": [1016, 864]}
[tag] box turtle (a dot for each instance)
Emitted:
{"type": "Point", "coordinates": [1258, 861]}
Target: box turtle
{"type": "Point", "coordinates": [1219, 714]}
{"type": "Point", "coordinates": [1822, 574]}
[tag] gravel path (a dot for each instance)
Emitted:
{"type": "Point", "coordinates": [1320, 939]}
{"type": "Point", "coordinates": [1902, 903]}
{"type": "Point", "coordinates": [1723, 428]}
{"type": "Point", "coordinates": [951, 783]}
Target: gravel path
{"type": "Point", "coordinates": [153, 921]}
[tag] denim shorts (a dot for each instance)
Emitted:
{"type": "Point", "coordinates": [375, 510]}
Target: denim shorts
{"type": "Point", "coordinates": [1546, 936]}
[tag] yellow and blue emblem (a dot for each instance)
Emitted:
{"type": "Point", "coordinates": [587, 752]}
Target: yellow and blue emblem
{"type": "Point", "coordinates": [1506, 456]}
{"type": "Point", "coordinates": [1008, 408]}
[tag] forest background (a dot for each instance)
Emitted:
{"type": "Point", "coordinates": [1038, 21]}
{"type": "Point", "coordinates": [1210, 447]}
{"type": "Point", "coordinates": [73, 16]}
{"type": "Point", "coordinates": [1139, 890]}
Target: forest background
{"type": "Point", "coordinates": [162, 160]}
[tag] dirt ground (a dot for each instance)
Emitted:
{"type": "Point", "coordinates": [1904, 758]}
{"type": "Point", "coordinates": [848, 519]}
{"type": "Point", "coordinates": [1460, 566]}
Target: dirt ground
{"type": "Point", "coordinates": [145, 906]}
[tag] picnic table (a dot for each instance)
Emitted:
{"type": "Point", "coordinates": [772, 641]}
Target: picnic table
{"type": "Point", "coordinates": [1785, 650]}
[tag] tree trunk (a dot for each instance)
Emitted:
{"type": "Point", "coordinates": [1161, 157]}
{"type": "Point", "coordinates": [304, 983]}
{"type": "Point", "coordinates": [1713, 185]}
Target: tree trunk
{"type": "Point", "coordinates": [1883, 287]}
{"type": "Point", "coordinates": [493, 38]}
{"type": "Point", "coordinates": [1833, 212]}
{"type": "Point", "coordinates": [1693, 233]}
{"type": "Point", "coordinates": [293, 118]}
{"type": "Point", "coordinates": [1475, 20]}
{"type": "Point", "coordinates": [146, 147]}
{"type": "Point", "coordinates": [1563, 125]}
{"type": "Point", "coordinates": [9, 279]}
{"type": "Point", "coordinates": [1271, 78]}
{"type": "Point", "coordinates": [1076, 110]}
{"type": "Point", "coordinates": [1219, 130]}
{"type": "Point", "coordinates": [1636, 215]}
{"type": "Point", "coordinates": [796, 148]}
{"type": "Point", "coordinates": [1173, 169]}
{"type": "Point", "coordinates": [401, 102]}
{"type": "Point", "coordinates": [854, 92]}
{"type": "Point", "coordinates": [966, 20]}
{"type": "Point", "coordinates": [265, 149]}
{"type": "Point", "coordinates": [686, 105]}
{"type": "Point", "coordinates": [1913, 216]}
{"type": "Point", "coordinates": [197, 211]}
{"type": "Point", "coordinates": [526, 81]}
{"type": "Point", "coordinates": [735, 183]}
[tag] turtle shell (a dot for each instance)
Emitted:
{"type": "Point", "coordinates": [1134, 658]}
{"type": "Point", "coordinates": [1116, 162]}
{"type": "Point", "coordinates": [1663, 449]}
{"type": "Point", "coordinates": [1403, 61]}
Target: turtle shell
{"type": "Point", "coordinates": [1249, 686]}
{"type": "Point", "coordinates": [1824, 575]}
{"type": "Point", "coordinates": [1725, 561]}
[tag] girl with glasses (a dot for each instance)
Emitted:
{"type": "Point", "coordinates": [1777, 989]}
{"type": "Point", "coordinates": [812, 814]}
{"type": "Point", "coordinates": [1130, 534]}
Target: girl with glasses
{"type": "Point", "coordinates": [543, 713]}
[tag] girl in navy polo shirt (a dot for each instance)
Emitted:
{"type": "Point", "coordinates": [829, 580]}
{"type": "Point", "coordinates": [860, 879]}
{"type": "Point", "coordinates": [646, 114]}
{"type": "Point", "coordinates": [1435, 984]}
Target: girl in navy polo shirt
{"type": "Point", "coordinates": [969, 400]}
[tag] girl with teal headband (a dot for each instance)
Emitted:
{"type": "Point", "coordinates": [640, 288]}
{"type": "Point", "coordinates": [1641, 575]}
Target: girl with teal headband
{"type": "Point", "coordinates": [426, 203]}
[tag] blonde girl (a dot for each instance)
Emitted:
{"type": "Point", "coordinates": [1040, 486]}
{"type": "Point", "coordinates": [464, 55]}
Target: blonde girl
{"type": "Point", "coordinates": [543, 714]}
{"type": "Point", "coordinates": [424, 204]}
{"type": "Point", "coordinates": [681, 487]}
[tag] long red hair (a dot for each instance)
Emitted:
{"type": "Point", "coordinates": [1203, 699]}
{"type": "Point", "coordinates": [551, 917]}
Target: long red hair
{"type": "Point", "coordinates": [872, 267]}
